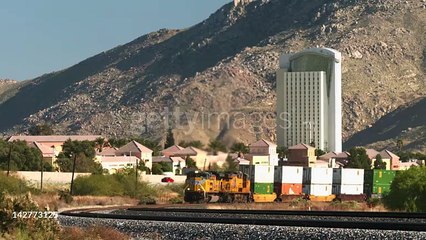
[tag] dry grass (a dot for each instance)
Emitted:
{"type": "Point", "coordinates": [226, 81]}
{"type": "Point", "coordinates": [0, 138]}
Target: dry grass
{"type": "Point", "coordinates": [51, 201]}
{"type": "Point", "coordinates": [94, 232]}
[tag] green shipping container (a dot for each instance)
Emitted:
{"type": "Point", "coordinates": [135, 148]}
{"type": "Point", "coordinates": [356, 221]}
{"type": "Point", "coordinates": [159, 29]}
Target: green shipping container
{"type": "Point", "coordinates": [381, 188]}
{"type": "Point", "coordinates": [382, 177]}
{"type": "Point", "coordinates": [263, 188]}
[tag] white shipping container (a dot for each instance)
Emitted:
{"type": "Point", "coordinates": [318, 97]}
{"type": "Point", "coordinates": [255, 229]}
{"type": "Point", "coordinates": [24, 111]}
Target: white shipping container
{"type": "Point", "coordinates": [352, 189]}
{"type": "Point", "coordinates": [348, 176]}
{"type": "Point", "coordinates": [286, 174]}
{"type": "Point", "coordinates": [318, 175]}
{"type": "Point", "coordinates": [262, 174]}
{"type": "Point", "coordinates": [320, 190]}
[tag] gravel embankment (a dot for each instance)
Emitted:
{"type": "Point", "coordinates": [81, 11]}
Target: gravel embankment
{"type": "Point", "coordinates": [176, 230]}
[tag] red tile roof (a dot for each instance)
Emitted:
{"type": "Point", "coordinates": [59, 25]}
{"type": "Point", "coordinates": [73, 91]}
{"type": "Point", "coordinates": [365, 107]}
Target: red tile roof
{"type": "Point", "coordinates": [55, 138]}
{"type": "Point", "coordinates": [301, 146]}
{"type": "Point", "coordinates": [189, 151]}
{"type": "Point", "coordinates": [172, 149]}
{"type": "Point", "coordinates": [371, 153]}
{"type": "Point", "coordinates": [133, 146]}
{"type": "Point", "coordinates": [386, 154]}
{"type": "Point", "coordinates": [263, 143]}
{"type": "Point", "coordinates": [46, 151]}
{"type": "Point", "coordinates": [107, 151]}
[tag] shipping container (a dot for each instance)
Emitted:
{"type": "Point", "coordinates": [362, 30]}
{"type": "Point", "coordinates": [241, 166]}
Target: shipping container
{"type": "Point", "coordinates": [381, 188]}
{"type": "Point", "coordinates": [345, 176]}
{"type": "Point", "coordinates": [287, 174]}
{"type": "Point", "coordinates": [318, 176]}
{"type": "Point", "coordinates": [376, 176]}
{"type": "Point", "coordinates": [317, 189]}
{"type": "Point", "coordinates": [352, 189]}
{"type": "Point", "coordinates": [376, 189]}
{"type": "Point", "coordinates": [288, 189]}
{"type": "Point", "coordinates": [263, 188]}
{"type": "Point", "coordinates": [262, 174]}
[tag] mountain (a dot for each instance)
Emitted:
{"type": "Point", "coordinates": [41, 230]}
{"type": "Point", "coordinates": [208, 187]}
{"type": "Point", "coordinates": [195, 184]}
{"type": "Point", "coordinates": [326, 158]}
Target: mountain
{"type": "Point", "coordinates": [216, 79]}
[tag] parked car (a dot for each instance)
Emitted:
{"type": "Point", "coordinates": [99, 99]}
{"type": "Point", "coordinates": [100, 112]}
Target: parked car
{"type": "Point", "coordinates": [167, 180]}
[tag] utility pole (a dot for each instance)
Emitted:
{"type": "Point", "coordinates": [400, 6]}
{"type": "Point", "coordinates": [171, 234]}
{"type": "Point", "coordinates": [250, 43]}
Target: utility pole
{"type": "Point", "coordinates": [41, 176]}
{"type": "Point", "coordinates": [72, 176]}
{"type": "Point", "coordinates": [136, 173]}
{"type": "Point", "coordinates": [9, 158]}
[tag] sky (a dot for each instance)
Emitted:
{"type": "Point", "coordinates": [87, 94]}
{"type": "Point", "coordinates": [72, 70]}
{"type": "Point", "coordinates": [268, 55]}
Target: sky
{"type": "Point", "coordinates": [38, 37]}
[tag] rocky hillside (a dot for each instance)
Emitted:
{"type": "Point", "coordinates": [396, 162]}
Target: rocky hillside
{"type": "Point", "coordinates": [217, 78]}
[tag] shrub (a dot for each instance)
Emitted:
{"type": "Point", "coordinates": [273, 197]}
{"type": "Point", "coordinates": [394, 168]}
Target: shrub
{"type": "Point", "coordinates": [147, 200]}
{"type": "Point", "coordinates": [25, 228]}
{"type": "Point", "coordinates": [121, 184]}
{"type": "Point", "coordinates": [176, 187]}
{"type": "Point", "coordinates": [176, 200]}
{"type": "Point", "coordinates": [66, 196]}
{"type": "Point", "coordinates": [373, 202]}
{"type": "Point", "coordinates": [13, 185]}
{"type": "Point", "coordinates": [408, 191]}
{"type": "Point", "coordinates": [98, 185]}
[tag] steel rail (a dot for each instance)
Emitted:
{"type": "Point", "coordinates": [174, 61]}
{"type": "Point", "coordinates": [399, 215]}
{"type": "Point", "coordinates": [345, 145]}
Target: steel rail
{"type": "Point", "coordinates": [357, 214]}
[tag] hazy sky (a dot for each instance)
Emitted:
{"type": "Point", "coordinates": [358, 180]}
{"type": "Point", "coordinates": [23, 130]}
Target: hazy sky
{"type": "Point", "coordinates": [42, 36]}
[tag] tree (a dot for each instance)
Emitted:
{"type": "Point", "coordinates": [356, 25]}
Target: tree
{"type": "Point", "coordinates": [379, 164]}
{"type": "Point", "coordinates": [196, 144]}
{"type": "Point", "coordinates": [231, 165]}
{"type": "Point", "coordinates": [408, 191]}
{"type": "Point", "coordinates": [358, 158]}
{"type": "Point", "coordinates": [190, 163]}
{"type": "Point", "coordinates": [282, 151]}
{"type": "Point", "coordinates": [142, 167]}
{"type": "Point", "coordinates": [216, 145]}
{"type": "Point", "coordinates": [239, 147]}
{"type": "Point", "coordinates": [100, 143]}
{"type": "Point", "coordinates": [166, 167]}
{"type": "Point", "coordinates": [84, 154]}
{"type": "Point", "coordinates": [157, 169]}
{"type": "Point", "coordinates": [319, 152]}
{"type": "Point", "coordinates": [170, 140]}
{"type": "Point", "coordinates": [42, 129]}
{"type": "Point", "coordinates": [399, 144]}
{"type": "Point", "coordinates": [118, 142]}
{"type": "Point", "coordinates": [23, 157]}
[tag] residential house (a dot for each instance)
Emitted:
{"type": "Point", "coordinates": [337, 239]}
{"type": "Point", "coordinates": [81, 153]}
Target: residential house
{"type": "Point", "coordinates": [391, 159]}
{"type": "Point", "coordinates": [198, 155]}
{"type": "Point", "coordinates": [138, 150]}
{"type": "Point", "coordinates": [334, 159]}
{"type": "Point", "coordinates": [171, 150]}
{"type": "Point", "coordinates": [301, 155]}
{"type": "Point", "coordinates": [263, 152]}
{"type": "Point", "coordinates": [51, 145]}
{"type": "Point", "coordinates": [177, 163]}
{"type": "Point", "coordinates": [114, 164]}
{"type": "Point", "coordinates": [408, 165]}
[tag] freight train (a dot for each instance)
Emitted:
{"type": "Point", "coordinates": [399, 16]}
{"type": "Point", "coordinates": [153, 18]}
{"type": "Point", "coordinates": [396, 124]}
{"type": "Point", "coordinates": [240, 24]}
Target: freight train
{"type": "Point", "coordinates": [263, 183]}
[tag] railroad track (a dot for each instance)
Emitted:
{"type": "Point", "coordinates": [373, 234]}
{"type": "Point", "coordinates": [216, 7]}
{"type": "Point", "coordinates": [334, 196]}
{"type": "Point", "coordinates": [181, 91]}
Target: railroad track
{"type": "Point", "coordinates": [322, 219]}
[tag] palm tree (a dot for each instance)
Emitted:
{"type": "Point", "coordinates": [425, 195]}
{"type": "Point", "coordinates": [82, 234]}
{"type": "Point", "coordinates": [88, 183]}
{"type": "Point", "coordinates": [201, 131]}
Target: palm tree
{"type": "Point", "coordinates": [216, 145]}
{"type": "Point", "coordinates": [239, 147]}
{"type": "Point", "coordinates": [100, 142]}
{"type": "Point", "coordinates": [399, 144]}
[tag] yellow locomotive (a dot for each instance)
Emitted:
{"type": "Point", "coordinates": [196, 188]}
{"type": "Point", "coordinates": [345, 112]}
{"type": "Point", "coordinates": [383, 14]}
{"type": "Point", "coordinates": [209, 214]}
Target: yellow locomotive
{"type": "Point", "coordinates": [217, 187]}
